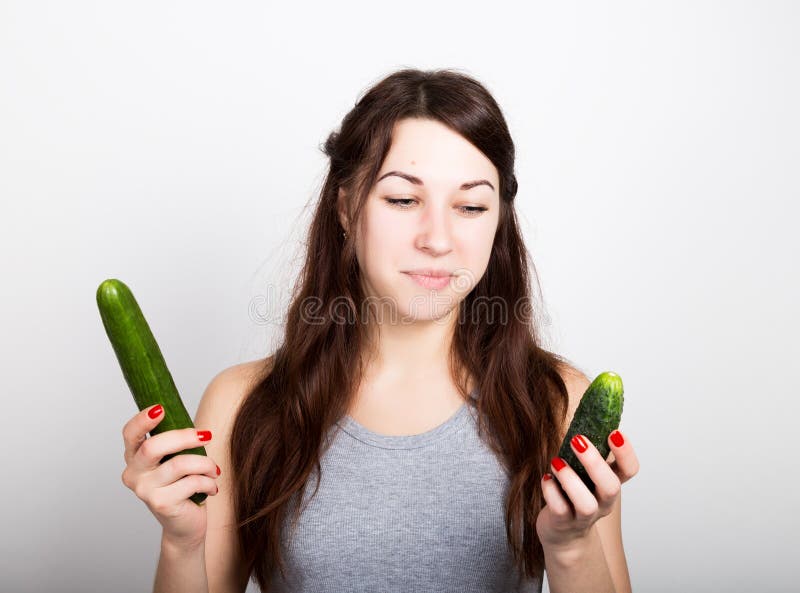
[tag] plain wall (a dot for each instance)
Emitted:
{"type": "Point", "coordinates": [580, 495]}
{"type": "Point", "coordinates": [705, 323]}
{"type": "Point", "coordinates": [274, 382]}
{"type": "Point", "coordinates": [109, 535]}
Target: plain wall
{"type": "Point", "coordinates": [175, 145]}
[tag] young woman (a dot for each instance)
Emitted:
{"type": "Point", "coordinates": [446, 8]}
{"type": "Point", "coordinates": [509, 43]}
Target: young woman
{"type": "Point", "coordinates": [402, 437]}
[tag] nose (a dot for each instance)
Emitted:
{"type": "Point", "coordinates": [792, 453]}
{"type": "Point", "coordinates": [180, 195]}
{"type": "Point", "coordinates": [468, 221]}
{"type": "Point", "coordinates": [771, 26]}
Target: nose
{"type": "Point", "coordinates": [434, 236]}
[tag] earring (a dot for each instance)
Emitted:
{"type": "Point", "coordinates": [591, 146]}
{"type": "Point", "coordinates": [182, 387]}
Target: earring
{"type": "Point", "coordinates": [344, 234]}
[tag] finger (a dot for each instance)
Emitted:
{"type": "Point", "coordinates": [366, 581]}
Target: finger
{"type": "Point", "coordinates": [555, 498]}
{"type": "Point", "coordinates": [583, 501]}
{"type": "Point", "coordinates": [172, 441]}
{"type": "Point", "coordinates": [626, 462]}
{"type": "Point", "coordinates": [606, 482]}
{"type": "Point", "coordinates": [134, 433]}
{"type": "Point", "coordinates": [184, 465]}
{"type": "Point", "coordinates": [164, 499]}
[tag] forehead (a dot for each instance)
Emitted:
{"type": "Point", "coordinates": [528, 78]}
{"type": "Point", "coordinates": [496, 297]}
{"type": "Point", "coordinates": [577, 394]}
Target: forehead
{"type": "Point", "coordinates": [436, 153]}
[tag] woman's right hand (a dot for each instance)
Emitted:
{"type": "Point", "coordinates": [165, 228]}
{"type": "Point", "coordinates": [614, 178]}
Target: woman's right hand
{"type": "Point", "coordinates": [165, 488]}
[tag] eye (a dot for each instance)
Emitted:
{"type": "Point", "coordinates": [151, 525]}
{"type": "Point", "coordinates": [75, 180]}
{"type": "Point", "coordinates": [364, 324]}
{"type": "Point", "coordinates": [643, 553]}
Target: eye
{"type": "Point", "coordinates": [397, 201]}
{"type": "Point", "coordinates": [472, 210]}
{"type": "Point", "coordinates": [403, 204]}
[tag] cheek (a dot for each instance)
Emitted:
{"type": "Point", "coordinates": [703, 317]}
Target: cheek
{"type": "Point", "coordinates": [476, 250]}
{"type": "Point", "coordinates": [382, 231]}
{"type": "Point", "coordinates": [476, 238]}
{"type": "Point", "coordinates": [383, 223]}
{"type": "Point", "coordinates": [380, 241]}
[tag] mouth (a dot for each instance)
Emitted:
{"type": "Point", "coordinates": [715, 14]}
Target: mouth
{"type": "Point", "coordinates": [430, 281]}
{"type": "Point", "coordinates": [435, 272]}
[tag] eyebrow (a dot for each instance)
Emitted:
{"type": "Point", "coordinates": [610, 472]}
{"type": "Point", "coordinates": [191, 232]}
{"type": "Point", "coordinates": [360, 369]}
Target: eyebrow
{"type": "Point", "coordinates": [418, 181]}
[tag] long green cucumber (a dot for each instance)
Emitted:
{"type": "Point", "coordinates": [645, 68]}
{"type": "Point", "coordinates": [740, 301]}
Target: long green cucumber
{"type": "Point", "coordinates": [597, 416]}
{"type": "Point", "coordinates": [142, 363]}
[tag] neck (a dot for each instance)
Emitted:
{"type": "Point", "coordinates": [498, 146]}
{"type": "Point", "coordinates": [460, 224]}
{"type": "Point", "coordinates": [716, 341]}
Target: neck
{"type": "Point", "coordinates": [411, 355]}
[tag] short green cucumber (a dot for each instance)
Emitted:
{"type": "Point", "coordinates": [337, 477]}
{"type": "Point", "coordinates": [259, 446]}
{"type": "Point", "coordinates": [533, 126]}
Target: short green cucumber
{"type": "Point", "coordinates": [597, 416]}
{"type": "Point", "coordinates": [142, 363]}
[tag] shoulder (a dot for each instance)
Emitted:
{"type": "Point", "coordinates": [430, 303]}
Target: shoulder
{"type": "Point", "coordinates": [576, 382]}
{"type": "Point", "coordinates": [573, 378]}
{"type": "Point", "coordinates": [225, 567]}
{"type": "Point", "coordinates": [238, 378]}
{"type": "Point", "coordinates": [244, 373]}
{"type": "Point", "coordinates": [228, 388]}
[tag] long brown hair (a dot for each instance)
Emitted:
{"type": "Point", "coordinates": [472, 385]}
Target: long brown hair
{"type": "Point", "coordinates": [307, 384]}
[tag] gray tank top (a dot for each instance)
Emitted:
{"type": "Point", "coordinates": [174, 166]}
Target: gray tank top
{"type": "Point", "coordinates": [404, 514]}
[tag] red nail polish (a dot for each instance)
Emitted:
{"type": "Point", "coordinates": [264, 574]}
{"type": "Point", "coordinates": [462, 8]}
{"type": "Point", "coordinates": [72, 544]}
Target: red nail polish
{"type": "Point", "coordinates": [154, 412]}
{"type": "Point", "coordinates": [219, 471]}
{"type": "Point", "coordinates": [217, 489]}
{"type": "Point", "coordinates": [616, 438]}
{"type": "Point", "coordinates": [558, 463]}
{"type": "Point", "coordinates": [204, 435]}
{"type": "Point", "coordinates": [548, 476]}
{"type": "Point", "coordinates": [579, 443]}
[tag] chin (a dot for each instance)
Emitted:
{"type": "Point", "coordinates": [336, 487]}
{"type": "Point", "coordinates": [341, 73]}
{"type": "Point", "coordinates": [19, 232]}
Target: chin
{"type": "Point", "coordinates": [401, 305]}
{"type": "Point", "coordinates": [428, 307]}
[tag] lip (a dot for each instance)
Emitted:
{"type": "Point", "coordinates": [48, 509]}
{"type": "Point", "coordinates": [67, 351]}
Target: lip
{"type": "Point", "coordinates": [436, 273]}
{"type": "Point", "coordinates": [429, 281]}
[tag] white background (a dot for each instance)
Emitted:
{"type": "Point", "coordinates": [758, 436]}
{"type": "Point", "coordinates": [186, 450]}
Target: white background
{"type": "Point", "coordinates": [175, 145]}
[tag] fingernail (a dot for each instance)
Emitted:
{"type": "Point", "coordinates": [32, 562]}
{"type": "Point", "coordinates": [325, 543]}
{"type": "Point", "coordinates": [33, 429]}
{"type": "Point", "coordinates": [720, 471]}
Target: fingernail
{"type": "Point", "coordinates": [204, 435]}
{"type": "Point", "coordinates": [548, 476]}
{"type": "Point", "coordinates": [580, 444]}
{"type": "Point", "coordinates": [217, 489]}
{"type": "Point", "coordinates": [219, 471]}
{"type": "Point", "coordinates": [616, 438]}
{"type": "Point", "coordinates": [154, 412]}
{"type": "Point", "coordinates": [558, 463]}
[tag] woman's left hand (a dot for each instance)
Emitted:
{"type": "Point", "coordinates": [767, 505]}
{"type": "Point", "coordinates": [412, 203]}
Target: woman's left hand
{"type": "Point", "coordinates": [565, 521]}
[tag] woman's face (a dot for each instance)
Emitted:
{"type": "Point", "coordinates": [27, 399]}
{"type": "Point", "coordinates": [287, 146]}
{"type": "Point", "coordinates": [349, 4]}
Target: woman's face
{"type": "Point", "coordinates": [435, 205]}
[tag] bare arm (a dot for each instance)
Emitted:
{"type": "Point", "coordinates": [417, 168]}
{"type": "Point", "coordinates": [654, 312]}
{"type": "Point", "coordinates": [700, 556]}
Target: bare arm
{"type": "Point", "coordinates": [181, 570]}
{"type": "Point", "coordinates": [581, 570]}
{"type": "Point", "coordinates": [220, 404]}
{"type": "Point", "coordinates": [215, 565]}
{"type": "Point", "coordinates": [602, 554]}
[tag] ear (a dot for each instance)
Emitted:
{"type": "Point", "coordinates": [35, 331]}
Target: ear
{"type": "Point", "coordinates": [341, 209]}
